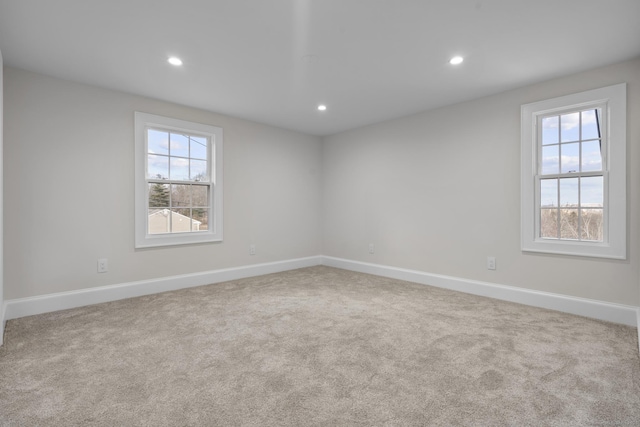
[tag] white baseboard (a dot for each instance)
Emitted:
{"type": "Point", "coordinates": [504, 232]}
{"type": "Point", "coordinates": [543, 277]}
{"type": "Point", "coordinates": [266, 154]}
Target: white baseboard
{"type": "Point", "coordinates": [618, 313]}
{"type": "Point", "coordinates": [22, 307]}
{"type": "Point", "coordinates": [638, 325]}
{"type": "Point", "coordinates": [3, 322]}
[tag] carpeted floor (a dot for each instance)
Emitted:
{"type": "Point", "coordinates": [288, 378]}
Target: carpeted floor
{"type": "Point", "coordinates": [317, 347]}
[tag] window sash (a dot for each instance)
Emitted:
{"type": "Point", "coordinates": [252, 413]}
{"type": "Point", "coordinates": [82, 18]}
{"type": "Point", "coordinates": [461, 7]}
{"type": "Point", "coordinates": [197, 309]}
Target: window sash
{"type": "Point", "coordinates": [579, 207]}
{"type": "Point", "coordinates": [171, 182]}
{"type": "Point", "coordinates": [601, 120]}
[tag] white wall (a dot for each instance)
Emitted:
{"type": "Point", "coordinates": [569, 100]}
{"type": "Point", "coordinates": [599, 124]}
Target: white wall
{"type": "Point", "coordinates": [440, 191]}
{"type": "Point", "coordinates": [435, 192]}
{"type": "Point", "coordinates": [69, 152]}
{"type": "Point", "coordinates": [2, 321]}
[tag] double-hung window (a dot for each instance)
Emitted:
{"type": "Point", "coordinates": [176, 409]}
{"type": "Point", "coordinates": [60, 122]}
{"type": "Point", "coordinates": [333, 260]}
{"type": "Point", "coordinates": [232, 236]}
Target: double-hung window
{"type": "Point", "coordinates": [178, 181]}
{"type": "Point", "coordinates": [573, 174]}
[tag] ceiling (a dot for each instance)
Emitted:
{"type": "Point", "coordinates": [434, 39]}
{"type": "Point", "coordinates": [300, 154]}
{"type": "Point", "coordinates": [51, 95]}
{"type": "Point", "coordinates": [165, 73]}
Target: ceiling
{"type": "Point", "coordinates": [274, 61]}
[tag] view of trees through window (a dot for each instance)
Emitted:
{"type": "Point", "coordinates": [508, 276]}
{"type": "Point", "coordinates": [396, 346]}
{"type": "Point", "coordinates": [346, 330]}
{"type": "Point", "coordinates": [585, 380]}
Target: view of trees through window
{"type": "Point", "coordinates": [571, 176]}
{"type": "Point", "coordinates": [587, 226]}
{"type": "Point", "coordinates": [178, 182]}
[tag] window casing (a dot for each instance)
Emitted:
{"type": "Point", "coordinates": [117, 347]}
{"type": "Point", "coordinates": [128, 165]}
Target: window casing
{"type": "Point", "coordinates": [574, 174]}
{"type": "Point", "coordinates": [178, 182]}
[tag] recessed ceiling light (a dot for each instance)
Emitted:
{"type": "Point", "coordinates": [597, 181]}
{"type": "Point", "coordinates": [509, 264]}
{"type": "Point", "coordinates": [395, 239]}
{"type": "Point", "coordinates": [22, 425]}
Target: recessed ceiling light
{"type": "Point", "coordinates": [456, 60]}
{"type": "Point", "coordinates": [173, 60]}
{"type": "Point", "coordinates": [322, 107]}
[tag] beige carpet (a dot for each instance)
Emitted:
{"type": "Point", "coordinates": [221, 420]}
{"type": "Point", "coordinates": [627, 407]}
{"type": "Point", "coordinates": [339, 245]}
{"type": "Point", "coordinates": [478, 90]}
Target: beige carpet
{"type": "Point", "coordinates": [317, 347]}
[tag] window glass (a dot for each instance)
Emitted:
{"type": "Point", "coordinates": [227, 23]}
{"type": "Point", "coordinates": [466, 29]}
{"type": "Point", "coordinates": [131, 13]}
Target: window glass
{"type": "Point", "coordinates": [158, 142]}
{"type": "Point", "coordinates": [179, 170]}
{"type": "Point", "coordinates": [569, 158]}
{"type": "Point", "coordinates": [198, 170]}
{"type": "Point", "coordinates": [188, 204]}
{"type": "Point", "coordinates": [590, 125]}
{"type": "Point", "coordinates": [179, 145]}
{"type": "Point", "coordinates": [198, 148]}
{"type": "Point", "coordinates": [550, 159]}
{"type": "Point", "coordinates": [550, 130]}
{"type": "Point", "coordinates": [549, 223]}
{"type": "Point", "coordinates": [569, 224]}
{"type": "Point", "coordinates": [592, 191]}
{"type": "Point", "coordinates": [591, 226]}
{"type": "Point", "coordinates": [568, 192]}
{"type": "Point", "coordinates": [570, 127]}
{"type": "Point", "coordinates": [591, 156]}
{"type": "Point", "coordinates": [548, 192]}
{"type": "Point", "coordinates": [159, 196]}
{"type": "Point", "coordinates": [157, 167]}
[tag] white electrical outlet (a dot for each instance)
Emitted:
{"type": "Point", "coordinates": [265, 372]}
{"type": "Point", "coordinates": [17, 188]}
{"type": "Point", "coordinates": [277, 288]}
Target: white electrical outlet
{"type": "Point", "coordinates": [372, 248]}
{"type": "Point", "coordinates": [491, 263]}
{"type": "Point", "coordinates": [252, 249]}
{"type": "Point", "coordinates": [103, 265]}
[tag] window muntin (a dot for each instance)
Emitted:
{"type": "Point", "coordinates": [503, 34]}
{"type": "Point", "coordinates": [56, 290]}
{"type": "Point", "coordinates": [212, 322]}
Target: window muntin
{"type": "Point", "coordinates": [178, 181]}
{"type": "Point", "coordinates": [573, 174]}
{"type": "Point", "coordinates": [570, 175]}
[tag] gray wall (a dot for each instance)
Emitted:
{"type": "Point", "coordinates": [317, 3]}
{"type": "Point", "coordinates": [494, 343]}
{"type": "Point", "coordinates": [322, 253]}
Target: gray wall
{"type": "Point", "coordinates": [436, 192]}
{"type": "Point", "coordinates": [70, 199]}
{"type": "Point", "coordinates": [440, 191]}
{"type": "Point", "coordinates": [1, 205]}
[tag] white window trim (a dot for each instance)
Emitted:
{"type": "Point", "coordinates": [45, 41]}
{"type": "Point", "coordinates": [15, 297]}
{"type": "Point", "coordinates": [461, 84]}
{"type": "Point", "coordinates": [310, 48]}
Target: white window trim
{"type": "Point", "coordinates": [614, 171]}
{"type": "Point", "coordinates": [214, 234]}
